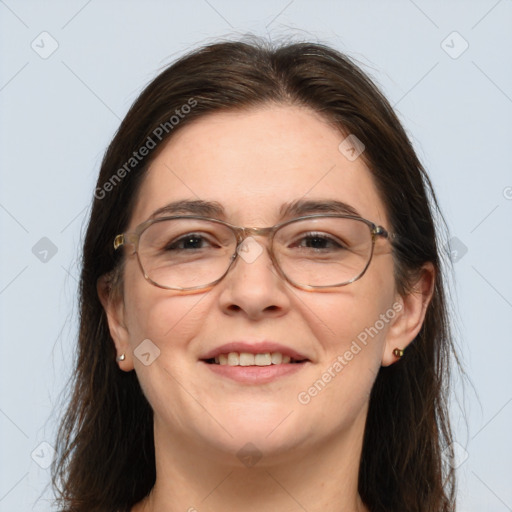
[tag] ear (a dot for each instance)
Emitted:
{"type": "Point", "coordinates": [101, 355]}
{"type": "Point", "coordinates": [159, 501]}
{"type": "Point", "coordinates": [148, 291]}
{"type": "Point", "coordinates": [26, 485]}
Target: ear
{"type": "Point", "coordinates": [113, 305]}
{"type": "Point", "coordinates": [411, 310]}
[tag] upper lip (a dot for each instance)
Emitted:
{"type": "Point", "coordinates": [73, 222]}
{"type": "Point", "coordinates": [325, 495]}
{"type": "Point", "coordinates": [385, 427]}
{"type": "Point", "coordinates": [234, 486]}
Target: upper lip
{"type": "Point", "coordinates": [253, 348]}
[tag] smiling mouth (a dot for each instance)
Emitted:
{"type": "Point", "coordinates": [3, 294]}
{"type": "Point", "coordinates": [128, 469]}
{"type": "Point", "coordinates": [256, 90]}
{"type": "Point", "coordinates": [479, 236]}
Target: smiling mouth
{"type": "Point", "coordinates": [248, 359]}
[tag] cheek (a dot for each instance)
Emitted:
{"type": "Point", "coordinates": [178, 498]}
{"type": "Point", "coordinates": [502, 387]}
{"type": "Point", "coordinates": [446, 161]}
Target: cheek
{"type": "Point", "coordinates": [157, 314]}
{"type": "Point", "coordinates": [169, 321]}
{"type": "Point", "coordinates": [351, 327]}
{"type": "Point", "coordinates": [339, 318]}
{"type": "Point", "coordinates": [163, 318]}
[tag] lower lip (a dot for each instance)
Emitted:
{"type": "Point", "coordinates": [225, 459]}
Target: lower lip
{"type": "Point", "coordinates": [255, 374]}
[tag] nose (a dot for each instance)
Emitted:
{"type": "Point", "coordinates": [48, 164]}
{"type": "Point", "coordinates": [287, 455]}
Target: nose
{"type": "Point", "coordinates": [253, 287]}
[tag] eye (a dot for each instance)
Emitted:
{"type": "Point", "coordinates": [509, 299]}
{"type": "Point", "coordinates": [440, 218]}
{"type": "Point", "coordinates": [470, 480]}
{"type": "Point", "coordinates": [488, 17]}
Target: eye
{"type": "Point", "coordinates": [190, 241]}
{"type": "Point", "coordinates": [318, 241]}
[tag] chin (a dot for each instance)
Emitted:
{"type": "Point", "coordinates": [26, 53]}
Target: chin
{"type": "Point", "coordinates": [268, 432]}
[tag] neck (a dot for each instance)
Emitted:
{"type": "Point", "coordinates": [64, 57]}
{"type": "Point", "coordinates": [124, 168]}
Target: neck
{"type": "Point", "coordinates": [197, 478]}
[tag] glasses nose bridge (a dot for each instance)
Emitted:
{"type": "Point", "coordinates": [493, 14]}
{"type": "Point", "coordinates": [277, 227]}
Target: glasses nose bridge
{"type": "Point", "coordinates": [243, 233]}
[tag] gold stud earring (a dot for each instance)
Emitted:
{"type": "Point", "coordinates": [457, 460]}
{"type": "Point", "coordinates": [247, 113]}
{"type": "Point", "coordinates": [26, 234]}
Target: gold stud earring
{"type": "Point", "coordinates": [398, 352]}
{"type": "Point", "coordinates": [122, 357]}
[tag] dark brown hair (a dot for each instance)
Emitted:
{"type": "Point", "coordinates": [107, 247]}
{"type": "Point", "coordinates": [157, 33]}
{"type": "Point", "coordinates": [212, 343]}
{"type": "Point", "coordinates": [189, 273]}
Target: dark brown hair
{"type": "Point", "coordinates": [106, 459]}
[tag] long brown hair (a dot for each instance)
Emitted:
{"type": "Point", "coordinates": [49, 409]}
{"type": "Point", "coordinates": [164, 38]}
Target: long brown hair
{"type": "Point", "coordinates": [106, 459]}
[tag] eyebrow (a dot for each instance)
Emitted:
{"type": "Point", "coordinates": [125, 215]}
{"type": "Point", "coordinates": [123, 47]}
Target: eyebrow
{"type": "Point", "coordinates": [302, 207]}
{"type": "Point", "coordinates": [215, 210]}
{"type": "Point", "coordinates": [192, 207]}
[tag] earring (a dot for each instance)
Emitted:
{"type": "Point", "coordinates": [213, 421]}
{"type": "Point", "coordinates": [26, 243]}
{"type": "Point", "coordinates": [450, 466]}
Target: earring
{"type": "Point", "coordinates": [122, 357]}
{"type": "Point", "coordinates": [398, 352]}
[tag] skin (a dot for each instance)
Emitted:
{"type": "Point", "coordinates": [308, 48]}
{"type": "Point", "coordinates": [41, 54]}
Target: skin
{"type": "Point", "coordinates": [252, 163]}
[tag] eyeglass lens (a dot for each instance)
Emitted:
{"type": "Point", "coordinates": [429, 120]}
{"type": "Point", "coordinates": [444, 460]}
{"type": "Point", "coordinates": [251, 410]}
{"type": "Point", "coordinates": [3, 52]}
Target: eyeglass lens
{"type": "Point", "coordinates": [188, 253]}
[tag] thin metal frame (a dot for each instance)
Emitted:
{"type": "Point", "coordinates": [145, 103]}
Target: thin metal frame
{"type": "Point", "coordinates": [241, 233]}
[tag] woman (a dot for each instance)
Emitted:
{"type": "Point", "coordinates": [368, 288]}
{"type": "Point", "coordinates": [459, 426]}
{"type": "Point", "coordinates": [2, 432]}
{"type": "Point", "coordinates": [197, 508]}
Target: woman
{"type": "Point", "coordinates": [297, 364]}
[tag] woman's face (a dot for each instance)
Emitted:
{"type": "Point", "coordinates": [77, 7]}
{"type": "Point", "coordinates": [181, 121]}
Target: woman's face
{"type": "Point", "coordinates": [254, 164]}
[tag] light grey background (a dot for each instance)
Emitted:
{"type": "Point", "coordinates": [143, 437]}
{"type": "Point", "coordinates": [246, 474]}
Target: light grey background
{"type": "Point", "coordinates": [58, 114]}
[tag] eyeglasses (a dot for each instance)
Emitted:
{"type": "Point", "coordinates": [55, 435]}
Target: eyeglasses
{"type": "Point", "coordinates": [314, 252]}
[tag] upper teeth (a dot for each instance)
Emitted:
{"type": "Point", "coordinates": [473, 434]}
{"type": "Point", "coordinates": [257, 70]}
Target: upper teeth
{"type": "Point", "coordinates": [247, 359]}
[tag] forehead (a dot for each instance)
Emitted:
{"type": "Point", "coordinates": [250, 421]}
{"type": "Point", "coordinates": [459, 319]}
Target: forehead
{"type": "Point", "coordinates": [255, 162]}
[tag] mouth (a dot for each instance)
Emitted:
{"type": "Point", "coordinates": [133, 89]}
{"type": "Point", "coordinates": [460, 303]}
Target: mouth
{"type": "Point", "coordinates": [254, 363]}
{"type": "Point", "coordinates": [253, 359]}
